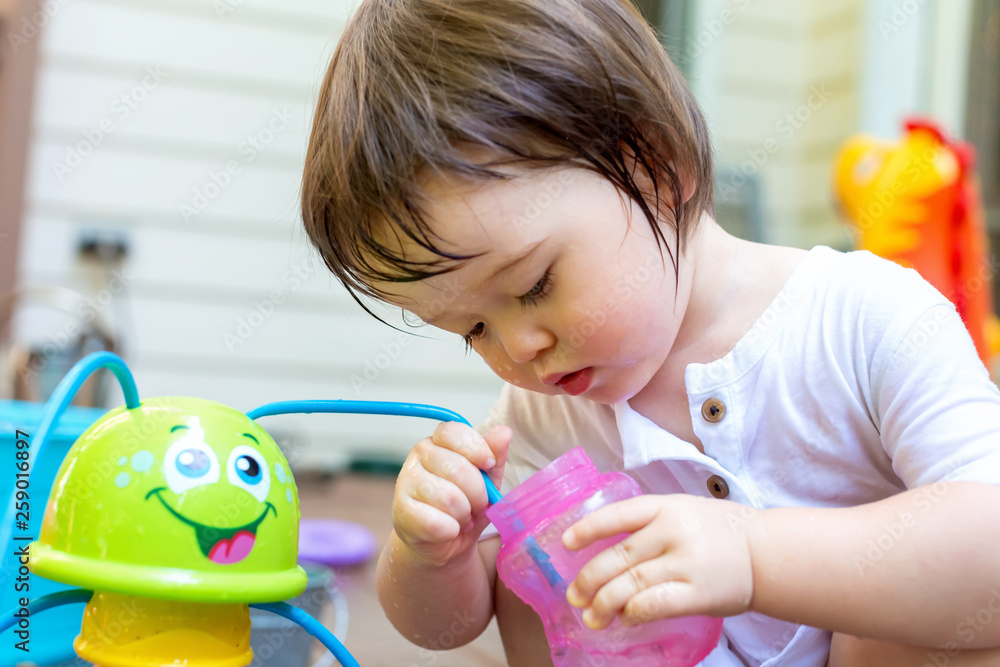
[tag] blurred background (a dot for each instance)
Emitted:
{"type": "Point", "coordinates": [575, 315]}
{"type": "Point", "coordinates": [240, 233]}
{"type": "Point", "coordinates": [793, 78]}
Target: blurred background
{"type": "Point", "coordinates": [150, 162]}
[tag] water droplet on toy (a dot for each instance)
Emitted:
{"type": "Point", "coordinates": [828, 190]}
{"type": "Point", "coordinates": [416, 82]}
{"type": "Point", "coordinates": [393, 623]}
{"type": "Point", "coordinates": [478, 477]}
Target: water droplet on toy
{"type": "Point", "coordinates": [122, 480]}
{"type": "Point", "coordinates": [142, 461]}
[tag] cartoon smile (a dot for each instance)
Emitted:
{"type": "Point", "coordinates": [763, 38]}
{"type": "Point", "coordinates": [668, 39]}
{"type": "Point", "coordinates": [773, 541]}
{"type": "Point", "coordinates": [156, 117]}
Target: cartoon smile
{"type": "Point", "coordinates": [224, 546]}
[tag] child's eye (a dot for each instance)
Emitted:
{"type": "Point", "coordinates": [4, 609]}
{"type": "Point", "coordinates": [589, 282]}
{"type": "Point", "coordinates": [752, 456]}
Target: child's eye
{"type": "Point", "coordinates": [537, 292]}
{"type": "Point", "coordinates": [531, 297]}
{"type": "Point", "coordinates": [477, 332]}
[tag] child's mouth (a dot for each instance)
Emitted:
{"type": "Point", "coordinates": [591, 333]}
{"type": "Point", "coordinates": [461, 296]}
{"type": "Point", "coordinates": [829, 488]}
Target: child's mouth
{"type": "Point", "coordinates": [578, 382]}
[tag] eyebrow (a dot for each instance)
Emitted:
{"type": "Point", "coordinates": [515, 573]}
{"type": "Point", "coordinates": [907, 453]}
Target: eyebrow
{"type": "Point", "coordinates": [517, 260]}
{"type": "Point", "coordinates": [252, 438]}
{"type": "Point", "coordinates": [178, 427]}
{"type": "Point", "coordinates": [507, 266]}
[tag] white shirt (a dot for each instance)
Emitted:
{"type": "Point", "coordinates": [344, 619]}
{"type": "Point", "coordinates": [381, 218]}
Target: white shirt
{"type": "Point", "coordinates": [859, 381]}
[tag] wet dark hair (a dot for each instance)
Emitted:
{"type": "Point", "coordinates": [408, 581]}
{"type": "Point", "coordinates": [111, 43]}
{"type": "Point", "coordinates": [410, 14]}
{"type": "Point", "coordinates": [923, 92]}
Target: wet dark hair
{"type": "Point", "coordinates": [539, 83]}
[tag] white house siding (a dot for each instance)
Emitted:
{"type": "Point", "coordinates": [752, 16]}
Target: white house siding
{"type": "Point", "coordinates": [779, 80]}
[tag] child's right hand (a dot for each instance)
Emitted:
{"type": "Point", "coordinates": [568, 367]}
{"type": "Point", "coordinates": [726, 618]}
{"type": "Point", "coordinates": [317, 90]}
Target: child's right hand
{"type": "Point", "coordinates": [438, 509]}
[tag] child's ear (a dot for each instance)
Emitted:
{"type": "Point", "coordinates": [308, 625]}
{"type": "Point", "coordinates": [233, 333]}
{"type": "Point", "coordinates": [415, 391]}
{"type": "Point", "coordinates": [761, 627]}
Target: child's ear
{"type": "Point", "coordinates": [644, 182]}
{"type": "Point", "coordinates": [689, 183]}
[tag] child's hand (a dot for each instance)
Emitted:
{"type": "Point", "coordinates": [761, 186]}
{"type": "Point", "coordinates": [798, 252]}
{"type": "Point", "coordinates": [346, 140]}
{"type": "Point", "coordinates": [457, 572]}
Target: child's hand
{"type": "Point", "coordinates": [440, 498]}
{"type": "Point", "coordinates": [685, 556]}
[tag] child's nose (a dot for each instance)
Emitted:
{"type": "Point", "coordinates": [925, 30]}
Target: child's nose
{"type": "Point", "coordinates": [523, 340]}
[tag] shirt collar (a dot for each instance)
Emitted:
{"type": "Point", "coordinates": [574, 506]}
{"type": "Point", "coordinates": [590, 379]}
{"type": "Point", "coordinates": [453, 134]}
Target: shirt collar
{"type": "Point", "coordinates": [797, 291]}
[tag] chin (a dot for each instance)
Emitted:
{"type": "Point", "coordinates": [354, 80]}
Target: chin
{"type": "Point", "coordinates": [605, 395]}
{"type": "Point", "coordinates": [616, 393]}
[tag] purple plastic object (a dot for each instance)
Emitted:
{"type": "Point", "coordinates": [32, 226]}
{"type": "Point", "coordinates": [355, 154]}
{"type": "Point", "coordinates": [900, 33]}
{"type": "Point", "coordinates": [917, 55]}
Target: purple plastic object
{"type": "Point", "coordinates": [335, 543]}
{"type": "Point", "coordinates": [533, 563]}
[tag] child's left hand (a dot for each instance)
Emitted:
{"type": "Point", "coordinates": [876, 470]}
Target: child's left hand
{"type": "Point", "coordinates": [686, 555]}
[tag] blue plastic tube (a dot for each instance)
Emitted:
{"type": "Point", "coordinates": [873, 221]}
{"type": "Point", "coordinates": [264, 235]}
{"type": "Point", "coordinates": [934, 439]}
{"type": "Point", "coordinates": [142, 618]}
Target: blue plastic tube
{"type": "Point", "coordinates": [372, 408]}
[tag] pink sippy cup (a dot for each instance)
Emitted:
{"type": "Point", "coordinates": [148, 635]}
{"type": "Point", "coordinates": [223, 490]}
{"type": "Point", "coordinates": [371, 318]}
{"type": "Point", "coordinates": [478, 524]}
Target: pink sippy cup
{"type": "Point", "coordinates": [533, 563]}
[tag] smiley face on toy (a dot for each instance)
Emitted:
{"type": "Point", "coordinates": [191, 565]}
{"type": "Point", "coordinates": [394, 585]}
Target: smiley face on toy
{"type": "Point", "coordinates": [177, 493]}
{"type": "Point", "coordinates": [191, 463]}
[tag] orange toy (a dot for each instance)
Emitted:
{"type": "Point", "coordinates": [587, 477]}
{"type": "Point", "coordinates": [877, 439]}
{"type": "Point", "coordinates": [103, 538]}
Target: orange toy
{"type": "Point", "coordinates": [917, 203]}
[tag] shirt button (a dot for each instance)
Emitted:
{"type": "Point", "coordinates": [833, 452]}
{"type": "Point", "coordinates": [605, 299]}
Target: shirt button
{"type": "Point", "coordinates": [718, 486]}
{"type": "Point", "coordinates": [713, 410]}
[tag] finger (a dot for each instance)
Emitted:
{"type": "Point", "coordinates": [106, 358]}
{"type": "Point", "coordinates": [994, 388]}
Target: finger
{"type": "Point", "coordinates": [498, 440]}
{"type": "Point", "coordinates": [466, 441]}
{"type": "Point", "coordinates": [669, 599]}
{"type": "Point", "coordinates": [611, 599]}
{"type": "Point", "coordinates": [455, 468]}
{"type": "Point", "coordinates": [614, 561]}
{"type": "Point", "coordinates": [626, 516]}
{"type": "Point", "coordinates": [450, 483]}
{"type": "Point", "coordinates": [417, 522]}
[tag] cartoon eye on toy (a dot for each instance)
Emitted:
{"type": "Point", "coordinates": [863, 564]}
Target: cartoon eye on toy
{"type": "Point", "coordinates": [189, 463]}
{"type": "Point", "coordinates": [247, 470]}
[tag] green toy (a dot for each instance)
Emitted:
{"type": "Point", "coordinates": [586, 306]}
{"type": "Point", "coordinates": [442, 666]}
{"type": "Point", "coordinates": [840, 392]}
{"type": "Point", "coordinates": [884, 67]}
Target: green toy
{"type": "Point", "coordinates": [185, 498]}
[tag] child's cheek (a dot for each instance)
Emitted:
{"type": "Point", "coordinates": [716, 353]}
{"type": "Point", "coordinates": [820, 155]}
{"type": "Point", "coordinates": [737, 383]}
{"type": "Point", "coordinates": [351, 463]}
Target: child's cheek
{"type": "Point", "coordinates": [504, 368]}
{"type": "Point", "coordinates": [600, 336]}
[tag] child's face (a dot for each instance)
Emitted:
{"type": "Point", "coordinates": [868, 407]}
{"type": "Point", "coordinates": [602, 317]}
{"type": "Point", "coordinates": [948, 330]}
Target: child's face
{"type": "Point", "coordinates": [565, 297]}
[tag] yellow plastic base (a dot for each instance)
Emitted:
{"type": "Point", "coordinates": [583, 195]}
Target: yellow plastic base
{"type": "Point", "coordinates": [126, 631]}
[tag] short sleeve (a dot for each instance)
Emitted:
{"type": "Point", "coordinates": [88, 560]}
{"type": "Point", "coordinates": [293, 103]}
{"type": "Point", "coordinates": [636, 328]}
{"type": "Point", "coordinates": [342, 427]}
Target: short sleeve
{"type": "Point", "coordinates": [938, 411]}
{"type": "Point", "coordinates": [506, 412]}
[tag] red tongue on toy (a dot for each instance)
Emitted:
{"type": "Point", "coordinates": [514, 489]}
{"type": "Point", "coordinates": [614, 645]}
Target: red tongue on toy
{"type": "Point", "coordinates": [232, 550]}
